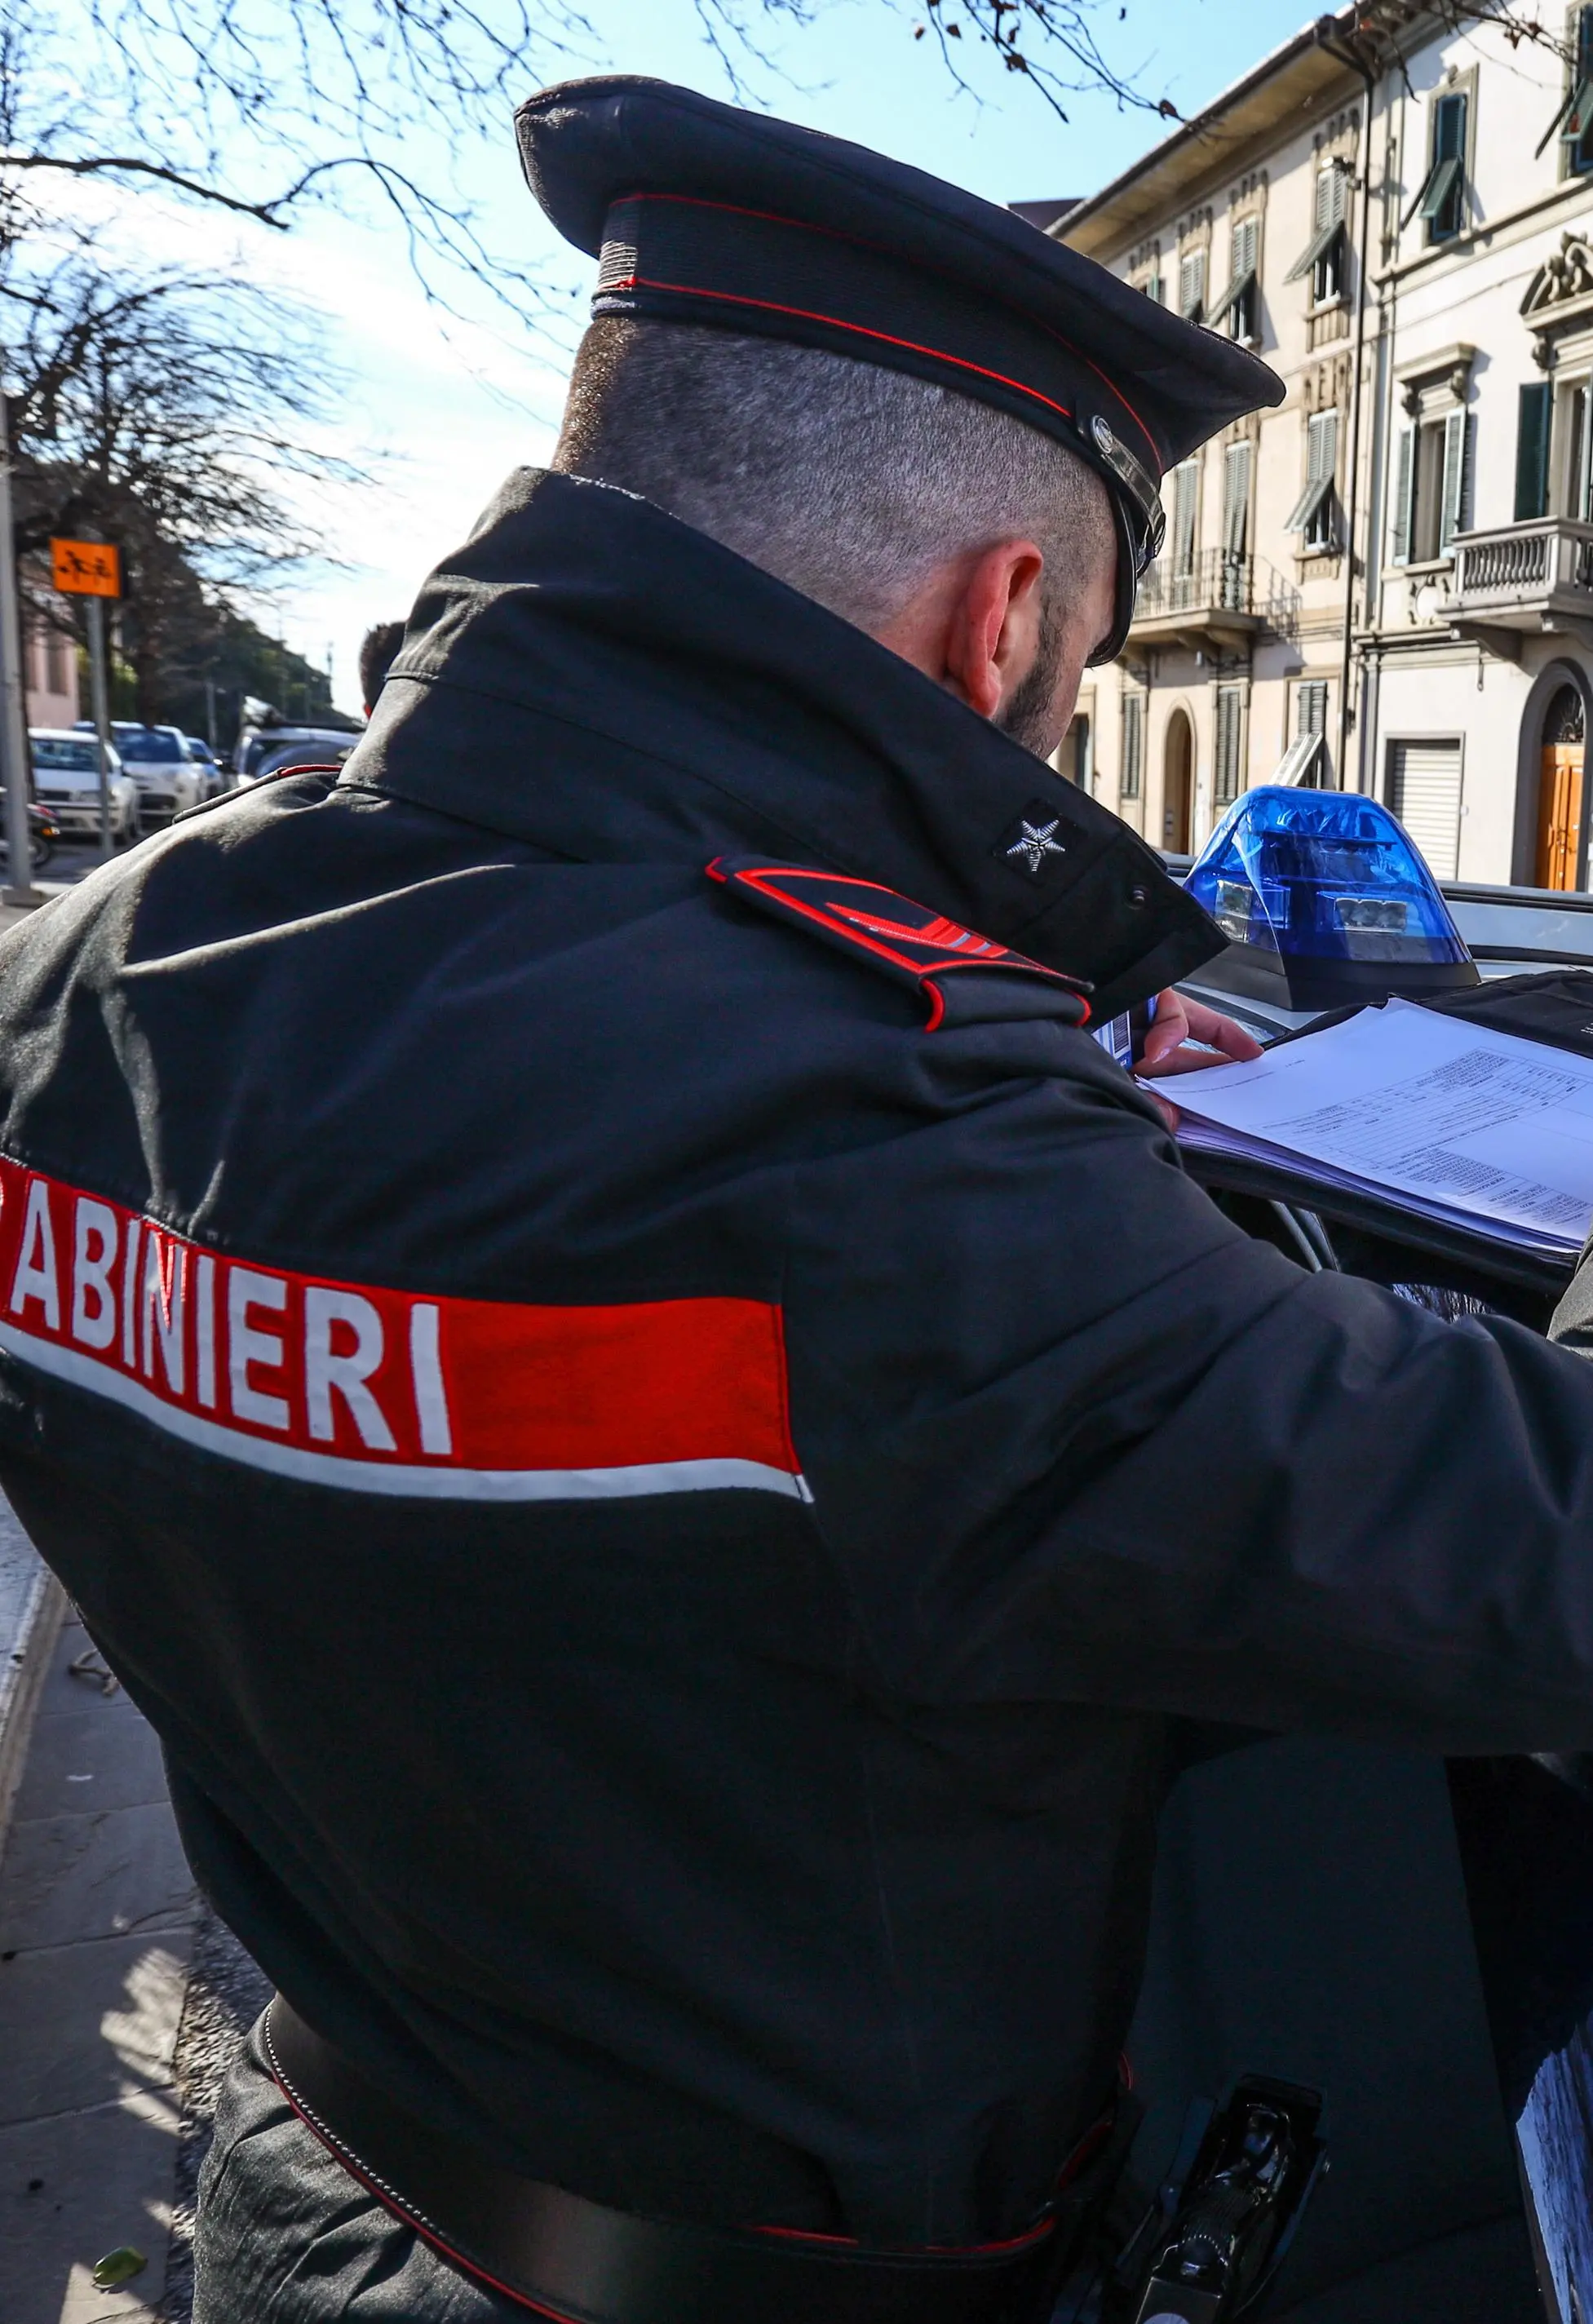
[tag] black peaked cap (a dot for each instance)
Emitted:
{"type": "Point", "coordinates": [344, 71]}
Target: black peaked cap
{"type": "Point", "coordinates": [703, 212]}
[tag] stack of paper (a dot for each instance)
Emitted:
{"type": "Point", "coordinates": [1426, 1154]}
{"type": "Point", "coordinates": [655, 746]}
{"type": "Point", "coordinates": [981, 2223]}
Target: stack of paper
{"type": "Point", "coordinates": [1440, 1117]}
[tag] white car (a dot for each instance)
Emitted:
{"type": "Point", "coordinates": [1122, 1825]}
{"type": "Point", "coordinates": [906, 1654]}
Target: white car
{"type": "Point", "coordinates": [66, 777]}
{"type": "Point", "coordinates": [158, 760]}
{"type": "Point", "coordinates": [212, 781]}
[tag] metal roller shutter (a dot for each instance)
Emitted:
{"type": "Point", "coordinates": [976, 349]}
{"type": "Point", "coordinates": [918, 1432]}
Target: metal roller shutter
{"type": "Point", "coordinates": [1425, 792]}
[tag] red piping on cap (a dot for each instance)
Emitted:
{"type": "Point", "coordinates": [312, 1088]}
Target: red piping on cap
{"type": "Point", "coordinates": [835, 323]}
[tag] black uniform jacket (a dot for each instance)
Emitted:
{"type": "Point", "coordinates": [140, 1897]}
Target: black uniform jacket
{"type": "Point", "coordinates": [662, 1467]}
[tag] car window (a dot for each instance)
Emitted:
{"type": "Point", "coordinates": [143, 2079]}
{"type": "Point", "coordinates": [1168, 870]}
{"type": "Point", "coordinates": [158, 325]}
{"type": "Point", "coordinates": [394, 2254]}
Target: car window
{"type": "Point", "coordinates": [309, 746]}
{"type": "Point", "coordinates": [57, 753]}
{"type": "Point", "coordinates": [149, 746]}
{"type": "Point", "coordinates": [317, 750]}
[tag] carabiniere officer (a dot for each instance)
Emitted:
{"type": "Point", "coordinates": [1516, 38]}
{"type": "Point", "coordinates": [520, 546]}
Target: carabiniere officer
{"type": "Point", "coordinates": [657, 1426]}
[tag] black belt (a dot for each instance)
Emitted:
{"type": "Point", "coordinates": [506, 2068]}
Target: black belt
{"type": "Point", "coordinates": [565, 2257]}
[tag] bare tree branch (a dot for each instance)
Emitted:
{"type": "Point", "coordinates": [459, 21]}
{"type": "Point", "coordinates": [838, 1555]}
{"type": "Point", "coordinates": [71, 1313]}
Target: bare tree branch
{"type": "Point", "coordinates": [179, 412]}
{"type": "Point", "coordinates": [130, 165]}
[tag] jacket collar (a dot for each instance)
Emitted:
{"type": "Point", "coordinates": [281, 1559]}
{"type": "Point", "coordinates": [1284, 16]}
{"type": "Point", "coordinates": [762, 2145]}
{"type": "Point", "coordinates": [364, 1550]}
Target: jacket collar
{"type": "Point", "coordinates": [592, 676]}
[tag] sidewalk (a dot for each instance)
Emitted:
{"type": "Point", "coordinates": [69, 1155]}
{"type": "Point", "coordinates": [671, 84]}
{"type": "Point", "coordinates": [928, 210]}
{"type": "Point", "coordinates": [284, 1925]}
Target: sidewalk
{"type": "Point", "coordinates": [67, 866]}
{"type": "Point", "coordinates": [121, 2001]}
{"type": "Point", "coordinates": [121, 1998]}
{"type": "Point", "coordinates": [30, 1606]}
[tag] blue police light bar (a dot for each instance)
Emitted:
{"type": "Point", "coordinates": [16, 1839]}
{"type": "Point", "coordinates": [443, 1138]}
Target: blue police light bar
{"type": "Point", "coordinates": [1324, 900]}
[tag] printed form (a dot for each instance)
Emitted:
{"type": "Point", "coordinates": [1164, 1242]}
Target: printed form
{"type": "Point", "coordinates": [1445, 1117]}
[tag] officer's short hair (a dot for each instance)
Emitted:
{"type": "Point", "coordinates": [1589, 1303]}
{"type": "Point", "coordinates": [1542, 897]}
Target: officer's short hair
{"type": "Point", "coordinates": [850, 482]}
{"type": "Point", "coordinates": [378, 648]}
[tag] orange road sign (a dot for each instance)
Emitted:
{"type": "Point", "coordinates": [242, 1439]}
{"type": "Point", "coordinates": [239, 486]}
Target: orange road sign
{"type": "Point", "coordinates": [86, 569]}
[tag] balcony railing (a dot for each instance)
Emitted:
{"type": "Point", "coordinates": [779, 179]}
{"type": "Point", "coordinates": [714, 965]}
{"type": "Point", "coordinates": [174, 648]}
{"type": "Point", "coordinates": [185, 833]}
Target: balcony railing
{"type": "Point", "coordinates": [1210, 582]}
{"type": "Point", "coordinates": [1527, 567]}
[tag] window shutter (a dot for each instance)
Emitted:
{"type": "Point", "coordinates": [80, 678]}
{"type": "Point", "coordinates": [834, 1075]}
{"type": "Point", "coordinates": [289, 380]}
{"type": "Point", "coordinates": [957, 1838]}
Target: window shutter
{"type": "Point", "coordinates": [1449, 140]}
{"type": "Point", "coordinates": [1571, 118]}
{"type": "Point", "coordinates": [1327, 223]}
{"type": "Point", "coordinates": [1133, 744]}
{"type": "Point", "coordinates": [1186, 480]}
{"type": "Point", "coordinates": [1452, 512]}
{"type": "Point", "coordinates": [1192, 284]}
{"type": "Point", "coordinates": [1236, 500]}
{"type": "Point", "coordinates": [1576, 131]}
{"type": "Point", "coordinates": [1331, 185]}
{"type": "Point", "coordinates": [1083, 752]}
{"type": "Point", "coordinates": [1230, 712]}
{"type": "Point", "coordinates": [1441, 202]}
{"type": "Point", "coordinates": [1311, 707]}
{"type": "Point", "coordinates": [1532, 451]}
{"type": "Point", "coordinates": [1425, 792]}
{"type": "Point", "coordinates": [1312, 512]}
{"type": "Point", "coordinates": [1237, 306]}
{"type": "Point", "coordinates": [1405, 489]}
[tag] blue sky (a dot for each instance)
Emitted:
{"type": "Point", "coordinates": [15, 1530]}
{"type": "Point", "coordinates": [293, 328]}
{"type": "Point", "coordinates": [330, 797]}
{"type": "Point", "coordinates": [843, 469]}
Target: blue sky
{"type": "Point", "coordinates": [444, 410]}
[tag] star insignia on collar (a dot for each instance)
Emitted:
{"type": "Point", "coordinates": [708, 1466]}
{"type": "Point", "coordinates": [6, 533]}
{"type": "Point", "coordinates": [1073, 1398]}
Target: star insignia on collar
{"type": "Point", "coordinates": [1036, 841]}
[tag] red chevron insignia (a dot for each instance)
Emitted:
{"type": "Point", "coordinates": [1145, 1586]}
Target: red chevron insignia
{"type": "Point", "coordinates": [906, 940]}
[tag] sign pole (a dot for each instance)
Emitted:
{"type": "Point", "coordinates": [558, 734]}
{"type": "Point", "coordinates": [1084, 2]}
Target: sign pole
{"type": "Point", "coordinates": [99, 694]}
{"type": "Point", "coordinates": [13, 717]}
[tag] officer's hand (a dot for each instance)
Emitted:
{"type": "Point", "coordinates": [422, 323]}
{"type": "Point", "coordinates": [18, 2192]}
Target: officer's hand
{"type": "Point", "coordinates": [1179, 1022]}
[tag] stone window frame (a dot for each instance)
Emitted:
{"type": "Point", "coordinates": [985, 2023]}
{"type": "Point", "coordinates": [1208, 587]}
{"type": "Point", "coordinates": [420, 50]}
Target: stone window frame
{"type": "Point", "coordinates": [1144, 272]}
{"type": "Point", "coordinates": [1325, 388]}
{"type": "Point", "coordinates": [1434, 393]}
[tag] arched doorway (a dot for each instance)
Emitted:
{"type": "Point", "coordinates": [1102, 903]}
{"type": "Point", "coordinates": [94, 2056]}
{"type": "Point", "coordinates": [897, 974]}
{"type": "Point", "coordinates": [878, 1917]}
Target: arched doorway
{"type": "Point", "coordinates": [1178, 784]}
{"type": "Point", "coordinates": [1559, 790]}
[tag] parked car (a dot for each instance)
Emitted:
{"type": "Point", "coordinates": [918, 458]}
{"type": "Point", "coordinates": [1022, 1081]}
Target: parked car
{"type": "Point", "coordinates": [264, 750]}
{"type": "Point", "coordinates": [212, 780]}
{"type": "Point", "coordinates": [157, 758]}
{"type": "Point", "coordinates": [65, 781]}
{"type": "Point", "coordinates": [317, 750]}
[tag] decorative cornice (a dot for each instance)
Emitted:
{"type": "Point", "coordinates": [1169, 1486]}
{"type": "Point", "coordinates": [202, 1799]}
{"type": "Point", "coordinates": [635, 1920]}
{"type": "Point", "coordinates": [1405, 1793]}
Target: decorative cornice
{"type": "Point", "coordinates": [1562, 287]}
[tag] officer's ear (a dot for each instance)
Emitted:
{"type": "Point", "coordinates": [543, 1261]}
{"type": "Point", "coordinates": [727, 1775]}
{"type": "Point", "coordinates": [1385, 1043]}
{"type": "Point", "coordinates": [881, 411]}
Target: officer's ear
{"type": "Point", "coordinates": [993, 633]}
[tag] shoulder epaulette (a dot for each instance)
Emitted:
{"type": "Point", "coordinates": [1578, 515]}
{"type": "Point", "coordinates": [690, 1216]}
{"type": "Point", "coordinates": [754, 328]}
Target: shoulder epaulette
{"type": "Point", "coordinates": [966, 978]}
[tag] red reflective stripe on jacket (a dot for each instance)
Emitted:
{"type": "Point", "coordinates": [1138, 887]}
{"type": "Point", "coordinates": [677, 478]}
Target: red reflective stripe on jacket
{"type": "Point", "coordinates": [384, 1389]}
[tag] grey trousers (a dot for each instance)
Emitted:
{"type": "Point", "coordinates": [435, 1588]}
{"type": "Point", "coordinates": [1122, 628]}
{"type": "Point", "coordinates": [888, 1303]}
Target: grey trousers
{"type": "Point", "coordinates": [285, 2236]}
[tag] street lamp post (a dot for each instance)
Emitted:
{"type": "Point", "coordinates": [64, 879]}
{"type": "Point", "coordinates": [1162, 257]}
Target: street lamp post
{"type": "Point", "coordinates": [13, 712]}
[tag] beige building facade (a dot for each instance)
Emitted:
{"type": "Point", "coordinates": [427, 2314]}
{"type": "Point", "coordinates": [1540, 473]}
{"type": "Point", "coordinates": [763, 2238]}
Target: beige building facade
{"type": "Point", "coordinates": [1386, 583]}
{"type": "Point", "coordinates": [49, 675]}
